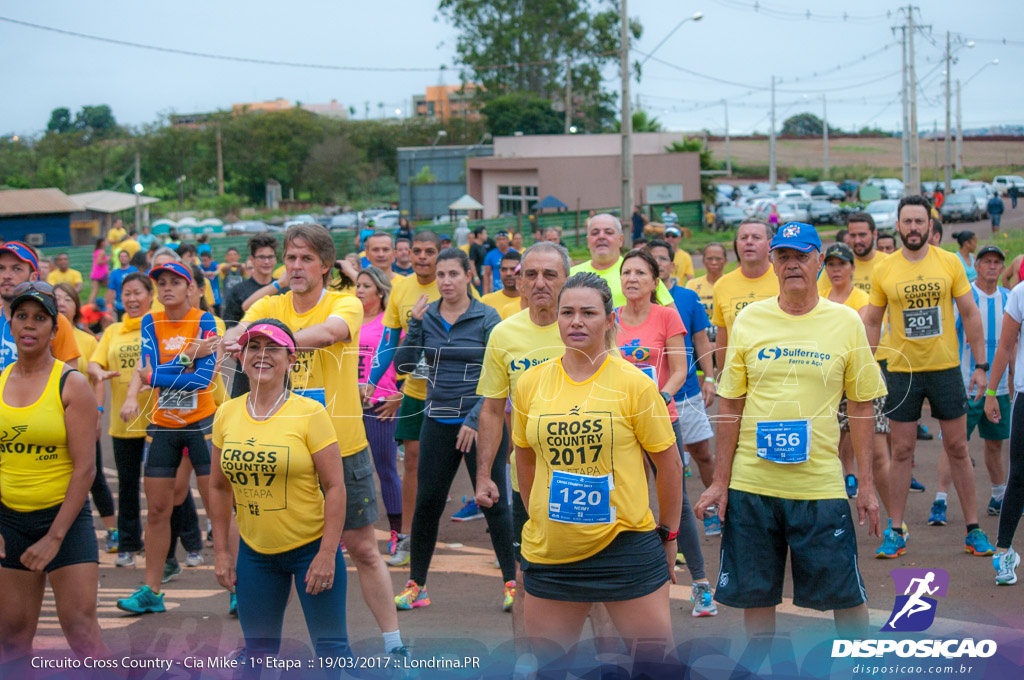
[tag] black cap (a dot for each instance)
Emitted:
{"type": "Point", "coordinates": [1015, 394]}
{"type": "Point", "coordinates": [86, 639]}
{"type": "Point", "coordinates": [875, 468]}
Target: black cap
{"type": "Point", "coordinates": [47, 302]}
{"type": "Point", "coordinates": [840, 250]}
{"type": "Point", "coordinates": [991, 249]}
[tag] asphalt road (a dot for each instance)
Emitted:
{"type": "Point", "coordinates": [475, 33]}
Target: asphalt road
{"type": "Point", "coordinates": [465, 586]}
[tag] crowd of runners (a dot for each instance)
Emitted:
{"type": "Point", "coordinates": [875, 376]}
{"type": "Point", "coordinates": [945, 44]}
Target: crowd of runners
{"type": "Point", "coordinates": [567, 391]}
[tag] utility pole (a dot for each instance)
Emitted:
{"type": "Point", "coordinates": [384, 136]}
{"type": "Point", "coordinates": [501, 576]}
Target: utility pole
{"type": "Point", "coordinates": [568, 94]}
{"type": "Point", "coordinates": [935, 145]}
{"type": "Point", "coordinates": [771, 143]}
{"type": "Point", "coordinates": [728, 156]}
{"type": "Point", "coordinates": [915, 146]}
{"type": "Point", "coordinates": [949, 92]}
{"type": "Point", "coordinates": [824, 130]}
{"type": "Point", "coordinates": [905, 139]}
{"type": "Point", "coordinates": [220, 164]}
{"type": "Point", "coordinates": [627, 120]}
{"type": "Point", "coordinates": [138, 198]}
{"type": "Point", "coordinates": [959, 133]}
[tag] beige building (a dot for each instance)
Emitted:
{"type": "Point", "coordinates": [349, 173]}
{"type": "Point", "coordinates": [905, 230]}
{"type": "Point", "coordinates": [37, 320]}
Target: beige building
{"type": "Point", "coordinates": [584, 171]}
{"type": "Point", "coordinates": [447, 101]}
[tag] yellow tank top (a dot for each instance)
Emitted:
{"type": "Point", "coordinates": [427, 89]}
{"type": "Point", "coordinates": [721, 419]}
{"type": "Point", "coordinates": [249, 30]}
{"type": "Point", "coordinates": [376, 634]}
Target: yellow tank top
{"type": "Point", "coordinates": [35, 466]}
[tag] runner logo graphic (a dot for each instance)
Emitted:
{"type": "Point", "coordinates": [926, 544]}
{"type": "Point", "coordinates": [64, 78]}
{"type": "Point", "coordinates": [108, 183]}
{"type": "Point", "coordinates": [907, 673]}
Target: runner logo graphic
{"type": "Point", "coordinates": [914, 610]}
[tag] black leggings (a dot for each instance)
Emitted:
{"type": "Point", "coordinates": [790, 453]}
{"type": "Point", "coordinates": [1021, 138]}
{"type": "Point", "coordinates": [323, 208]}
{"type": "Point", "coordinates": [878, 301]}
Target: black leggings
{"type": "Point", "coordinates": [1013, 501]}
{"type": "Point", "coordinates": [185, 525]}
{"type": "Point", "coordinates": [128, 459]}
{"type": "Point", "coordinates": [438, 464]}
{"type": "Point", "coordinates": [101, 496]}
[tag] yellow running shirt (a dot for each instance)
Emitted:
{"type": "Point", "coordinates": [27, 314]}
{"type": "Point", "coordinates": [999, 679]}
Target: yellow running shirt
{"type": "Point", "coordinates": [684, 266]}
{"type": "Point", "coordinates": [920, 300]}
{"type": "Point", "coordinates": [857, 299]}
{"type": "Point", "coordinates": [614, 279]}
{"type": "Point", "coordinates": [514, 346]}
{"type": "Point", "coordinates": [705, 290]}
{"type": "Point", "coordinates": [72, 276]}
{"type": "Point", "coordinates": [278, 502]}
{"type": "Point", "coordinates": [589, 440]}
{"type": "Point", "coordinates": [35, 465]}
{"type": "Point", "coordinates": [86, 346]}
{"type": "Point", "coordinates": [792, 370]}
{"type": "Point", "coordinates": [334, 369]}
{"type": "Point", "coordinates": [861, 274]}
{"type": "Point", "coordinates": [734, 291]}
{"type": "Point", "coordinates": [505, 305]}
{"type": "Point", "coordinates": [118, 350]}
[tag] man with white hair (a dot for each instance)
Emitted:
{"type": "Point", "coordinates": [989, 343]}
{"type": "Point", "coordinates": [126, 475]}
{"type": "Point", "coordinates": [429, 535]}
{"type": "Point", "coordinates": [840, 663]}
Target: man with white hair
{"type": "Point", "coordinates": [604, 240]}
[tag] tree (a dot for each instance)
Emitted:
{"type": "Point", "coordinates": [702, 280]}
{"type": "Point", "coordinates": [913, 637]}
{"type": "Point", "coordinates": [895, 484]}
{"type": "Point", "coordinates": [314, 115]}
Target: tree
{"type": "Point", "coordinates": [524, 46]}
{"type": "Point", "coordinates": [522, 112]}
{"type": "Point", "coordinates": [641, 123]}
{"type": "Point", "coordinates": [60, 120]}
{"type": "Point", "coordinates": [95, 121]}
{"type": "Point", "coordinates": [805, 125]}
{"type": "Point", "coordinates": [707, 187]}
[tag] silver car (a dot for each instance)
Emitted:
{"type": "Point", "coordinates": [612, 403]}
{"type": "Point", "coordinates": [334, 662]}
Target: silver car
{"type": "Point", "coordinates": [883, 212]}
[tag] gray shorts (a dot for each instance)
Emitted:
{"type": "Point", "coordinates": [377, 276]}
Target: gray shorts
{"type": "Point", "coordinates": [360, 490]}
{"type": "Point", "coordinates": [693, 425]}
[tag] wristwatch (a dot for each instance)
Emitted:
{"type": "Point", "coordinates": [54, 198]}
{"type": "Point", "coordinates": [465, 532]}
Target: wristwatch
{"type": "Point", "coordinates": [666, 534]}
{"type": "Point", "coordinates": [666, 396]}
{"type": "Point", "coordinates": [985, 367]}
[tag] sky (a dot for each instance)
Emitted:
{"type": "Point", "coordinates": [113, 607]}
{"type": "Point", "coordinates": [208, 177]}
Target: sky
{"type": "Point", "coordinates": [734, 42]}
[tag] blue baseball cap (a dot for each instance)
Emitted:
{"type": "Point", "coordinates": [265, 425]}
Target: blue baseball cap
{"type": "Point", "coordinates": [22, 252]}
{"type": "Point", "coordinates": [172, 267]}
{"type": "Point", "coordinates": [798, 236]}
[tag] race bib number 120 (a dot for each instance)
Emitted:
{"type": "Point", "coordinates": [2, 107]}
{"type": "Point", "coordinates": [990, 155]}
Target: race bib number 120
{"type": "Point", "coordinates": [580, 499]}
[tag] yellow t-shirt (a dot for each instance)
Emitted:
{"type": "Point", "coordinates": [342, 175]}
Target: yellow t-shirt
{"type": "Point", "coordinates": [614, 279]}
{"type": "Point", "coordinates": [796, 368]}
{"type": "Point", "coordinates": [684, 266]}
{"type": "Point", "coordinates": [734, 291]}
{"type": "Point", "coordinates": [118, 350]}
{"type": "Point", "coordinates": [35, 465]}
{"type": "Point", "coordinates": [516, 345]}
{"type": "Point", "coordinates": [705, 290]}
{"type": "Point", "coordinates": [278, 502]}
{"type": "Point", "coordinates": [505, 305]}
{"type": "Point", "coordinates": [856, 299]}
{"type": "Point", "coordinates": [72, 276]}
{"type": "Point", "coordinates": [333, 369]}
{"type": "Point", "coordinates": [116, 235]}
{"type": "Point", "coordinates": [86, 346]}
{"type": "Point", "coordinates": [131, 246]}
{"type": "Point", "coordinates": [920, 295]}
{"type": "Point", "coordinates": [596, 428]}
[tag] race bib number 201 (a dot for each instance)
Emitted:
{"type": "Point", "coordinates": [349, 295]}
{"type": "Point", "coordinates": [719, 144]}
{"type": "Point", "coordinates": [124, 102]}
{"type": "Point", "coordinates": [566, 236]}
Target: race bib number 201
{"type": "Point", "coordinates": [923, 322]}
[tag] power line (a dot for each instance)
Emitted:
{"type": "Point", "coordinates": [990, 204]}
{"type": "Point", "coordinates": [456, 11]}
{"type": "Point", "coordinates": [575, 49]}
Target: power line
{"type": "Point", "coordinates": [804, 15]}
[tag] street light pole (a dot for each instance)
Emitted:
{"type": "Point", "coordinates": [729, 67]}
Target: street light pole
{"type": "Point", "coordinates": [772, 176]}
{"type": "Point", "coordinates": [627, 119]}
{"type": "Point", "coordinates": [824, 129]}
{"type": "Point", "coordinates": [138, 182]}
{"type": "Point", "coordinates": [949, 91]}
{"type": "Point", "coordinates": [728, 156]}
{"type": "Point", "coordinates": [959, 132]}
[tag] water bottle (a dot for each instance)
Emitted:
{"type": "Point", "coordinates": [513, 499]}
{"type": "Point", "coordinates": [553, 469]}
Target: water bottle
{"type": "Point", "coordinates": [712, 525]}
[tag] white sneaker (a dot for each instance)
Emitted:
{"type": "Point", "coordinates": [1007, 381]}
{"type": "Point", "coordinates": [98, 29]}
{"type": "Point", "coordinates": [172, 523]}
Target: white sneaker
{"type": "Point", "coordinates": [1005, 565]}
{"type": "Point", "coordinates": [401, 556]}
{"type": "Point", "coordinates": [125, 559]}
{"type": "Point", "coordinates": [703, 605]}
{"type": "Point", "coordinates": [193, 559]}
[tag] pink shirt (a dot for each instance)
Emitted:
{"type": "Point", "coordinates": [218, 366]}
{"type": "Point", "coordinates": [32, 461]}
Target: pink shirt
{"type": "Point", "coordinates": [100, 270]}
{"type": "Point", "coordinates": [370, 334]}
{"type": "Point", "coordinates": [644, 345]}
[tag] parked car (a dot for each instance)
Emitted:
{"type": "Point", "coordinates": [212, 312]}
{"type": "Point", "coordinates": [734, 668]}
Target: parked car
{"type": "Point", "coordinates": [1002, 183]}
{"type": "Point", "coordinates": [387, 219]}
{"type": "Point", "coordinates": [824, 212]}
{"type": "Point", "coordinates": [883, 212]}
{"type": "Point", "coordinates": [980, 199]}
{"type": "Point", "coordinates": [798, 181]}
{"type": "Point", "coordinates": [728, 216]}
{"type": "Point", "coordinates": [344, 221]}
{"type": "Point", "coordinates": [850, 186]}
{"type": "Point", "coordinates": [792, 210]}
{"type": "Point", "coordinates": [890, 186]}
{"type": "Point", "coordinates": [828, 190]}
{"type": "Point", "coordinates": [792, 193]}
{"type": "Point", "coordinates": [958, 184]}
{"type": "Point", "coordinates": [962, 207]}
{"type": "Point", "coordinates": [248, 227]}
{"type": "Point", "coordinates": [760, 187]}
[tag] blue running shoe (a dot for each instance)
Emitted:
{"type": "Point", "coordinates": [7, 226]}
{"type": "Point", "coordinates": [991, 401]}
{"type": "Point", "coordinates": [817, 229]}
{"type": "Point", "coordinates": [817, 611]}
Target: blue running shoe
{"type": "Point", "coordinates": [113, 539]}
{"type": "Point", "coordinates": [994, 506]}
{"type": "Point", "coordinates": [469, 511]}
{"type": "Point", "coordinates": [977, 543]}
{"type": "Point", "coordinates": [233, 605]}
{"type": "Point", "coordinates": [916, 485]}
{"type": "Point", "coordinates": [893, 545]}
{"type": "Point", "coordinates": [851, 486]}
{"type": "Point", "coordinates": [1006, 564]}
{"type": "Point", "coordinates": [937, 518]}
{"type": "Point", "coordinates": [143, 601]}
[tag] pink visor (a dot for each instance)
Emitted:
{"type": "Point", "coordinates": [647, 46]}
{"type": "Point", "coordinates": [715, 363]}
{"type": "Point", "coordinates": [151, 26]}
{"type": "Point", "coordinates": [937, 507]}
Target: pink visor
{"type": "Point", "coordinates": [275, 334]}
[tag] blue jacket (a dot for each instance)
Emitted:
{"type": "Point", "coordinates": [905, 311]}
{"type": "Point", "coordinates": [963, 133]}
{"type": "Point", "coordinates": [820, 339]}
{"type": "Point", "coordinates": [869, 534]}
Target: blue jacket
{"type": "Point", "coordinates": [454, 356]}
{"type": "Point", "coordinates": [995, 206]}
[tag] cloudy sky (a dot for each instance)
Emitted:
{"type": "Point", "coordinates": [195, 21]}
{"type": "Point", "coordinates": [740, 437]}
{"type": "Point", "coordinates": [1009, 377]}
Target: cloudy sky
{"type": "Point", "coordinates": [731, 53]}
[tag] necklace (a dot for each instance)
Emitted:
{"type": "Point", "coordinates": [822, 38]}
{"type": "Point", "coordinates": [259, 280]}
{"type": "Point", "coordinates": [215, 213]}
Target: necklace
{"type": "Point", "coordinates": [252, 407]}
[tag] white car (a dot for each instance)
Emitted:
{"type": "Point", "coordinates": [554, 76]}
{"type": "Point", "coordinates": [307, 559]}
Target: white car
{"type": "Point", "coordinates": [1002, 183]}
{"type": "Point", "coordinates": [793, 193]}
{"type": "Point", "coordinates": [883, 213]}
